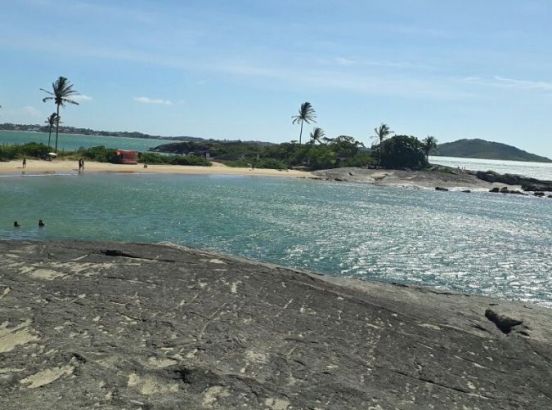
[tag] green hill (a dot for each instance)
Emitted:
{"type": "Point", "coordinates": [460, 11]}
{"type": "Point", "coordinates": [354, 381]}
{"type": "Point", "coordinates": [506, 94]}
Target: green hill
{"type": "Point", "coordinates": [477, 148]}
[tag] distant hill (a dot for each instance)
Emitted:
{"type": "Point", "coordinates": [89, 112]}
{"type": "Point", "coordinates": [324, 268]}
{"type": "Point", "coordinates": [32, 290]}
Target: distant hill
{"type": "Point", "coordinates": [127, 134]}
{"type": "Point", "coordinates": [478, 148]}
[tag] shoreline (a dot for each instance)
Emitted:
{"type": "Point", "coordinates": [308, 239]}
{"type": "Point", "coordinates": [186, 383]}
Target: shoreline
{"type": "Point", "coordinates": [67, 167]}
{"type": "Point", "coordinates": [444, 179]}
{"type": "Point", "coordinates": [170, 327]}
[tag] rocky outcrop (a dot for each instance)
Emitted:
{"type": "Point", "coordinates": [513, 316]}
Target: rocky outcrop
{"type": "Point", "coordinates": [527, 184]}
{"type": "Point", "coordinates": [506, 190]}
{"type": "Point", "coordinates": [127, 326]}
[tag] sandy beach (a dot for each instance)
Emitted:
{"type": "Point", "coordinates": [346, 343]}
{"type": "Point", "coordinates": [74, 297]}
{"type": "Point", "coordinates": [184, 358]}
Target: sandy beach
{"type": "Point", "coordinates": [38, 167]}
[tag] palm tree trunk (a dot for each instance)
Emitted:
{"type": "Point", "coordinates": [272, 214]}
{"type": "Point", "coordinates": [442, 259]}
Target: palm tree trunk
{"type": "Point", "coordinates": [49, 136]}
{"type": "Point", "coordinates": [301, 133]}
{"type": "Point", "coordinates": [379, 151]}
{"type": "Point", "coordinates": [57, 127]}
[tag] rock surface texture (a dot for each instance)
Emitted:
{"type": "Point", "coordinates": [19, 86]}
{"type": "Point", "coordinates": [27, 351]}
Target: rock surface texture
{"type": "Point", "coordinates": [124, 326]}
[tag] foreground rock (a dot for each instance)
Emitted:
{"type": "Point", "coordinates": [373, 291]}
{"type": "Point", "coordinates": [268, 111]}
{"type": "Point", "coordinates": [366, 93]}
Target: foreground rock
{"type": "Point", "coordinates": [112, 326]}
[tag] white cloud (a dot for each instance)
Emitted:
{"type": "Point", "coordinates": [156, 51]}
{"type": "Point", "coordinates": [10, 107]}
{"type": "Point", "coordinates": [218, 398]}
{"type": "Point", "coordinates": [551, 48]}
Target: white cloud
{"type": "Point", "coordinates": [344, 61]}
{"type": "Point", "coordinates": [147, 100]}
{"type": "Point", "coordinates": [82, 97]}
{"type": "Point", "coordinates": [511, 83]}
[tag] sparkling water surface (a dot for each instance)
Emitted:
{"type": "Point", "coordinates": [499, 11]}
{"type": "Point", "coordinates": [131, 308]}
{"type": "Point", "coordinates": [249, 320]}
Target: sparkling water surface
{"type": "Point", "coordinates": [539, 170]}
{"type": "Point", "coordinates": [497, 245]}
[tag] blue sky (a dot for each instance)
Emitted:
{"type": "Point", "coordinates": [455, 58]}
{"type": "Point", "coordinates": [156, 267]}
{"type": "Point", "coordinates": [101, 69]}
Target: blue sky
{"type": "Point", "coordinates": [241, 68]}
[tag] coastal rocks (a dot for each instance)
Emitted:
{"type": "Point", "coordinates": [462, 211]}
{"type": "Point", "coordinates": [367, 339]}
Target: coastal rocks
{"type": "Point", "coordinates": [527, 184]}
{"type": "Point", "coordinates": [128, 326]}
{"type": "Point", "coordinates": [538, 186]}
{"type": "Point", "coordinates": [506, 190]}
{"type": "Point", "coordinates": [539, 194]}
{"type": "Point", "coordinates": [438, 188]}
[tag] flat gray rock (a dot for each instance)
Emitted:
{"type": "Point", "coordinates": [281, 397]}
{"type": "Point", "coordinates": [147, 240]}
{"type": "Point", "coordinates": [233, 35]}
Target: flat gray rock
{"type": "Point", "coordinates": [125, 326]}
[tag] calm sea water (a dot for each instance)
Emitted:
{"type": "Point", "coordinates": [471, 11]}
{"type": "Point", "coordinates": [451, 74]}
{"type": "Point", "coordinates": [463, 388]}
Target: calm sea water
{"type": "Point", "coordinates": [538, 170]}
{"type": "Point", "coordinates": [499, 245]}
{"type": "Point", "coordinates": [71, 142]}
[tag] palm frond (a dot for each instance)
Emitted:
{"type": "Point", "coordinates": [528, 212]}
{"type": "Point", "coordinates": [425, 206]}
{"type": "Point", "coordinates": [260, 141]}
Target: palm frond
{"type": "Point", "coordinates": [68, 100]}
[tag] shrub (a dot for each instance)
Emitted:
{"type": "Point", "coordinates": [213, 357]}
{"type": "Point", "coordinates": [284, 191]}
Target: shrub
{"type": "Point", "coordinates": [401, 152]}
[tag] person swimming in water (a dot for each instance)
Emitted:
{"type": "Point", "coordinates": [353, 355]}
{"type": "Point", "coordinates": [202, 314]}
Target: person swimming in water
{"type": "Point", "coordinates": [41, 224]}
{"type": "Point", "coordinates": [16, 224]}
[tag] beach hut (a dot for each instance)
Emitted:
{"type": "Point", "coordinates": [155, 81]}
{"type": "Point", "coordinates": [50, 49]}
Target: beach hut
{"type": "Point", "coordinates": [127, 157]}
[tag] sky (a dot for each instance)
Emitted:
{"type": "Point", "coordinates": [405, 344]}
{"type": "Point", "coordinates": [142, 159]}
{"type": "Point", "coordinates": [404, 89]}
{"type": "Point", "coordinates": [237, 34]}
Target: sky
{"type": "Point", "coordinates": [240, 69]}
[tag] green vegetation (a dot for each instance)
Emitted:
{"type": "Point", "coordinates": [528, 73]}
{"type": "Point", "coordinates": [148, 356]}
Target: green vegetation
{"type": "Point", "coordinates": [306, 115]}
{"type": "Point", "coordinates": [152, 158]}
{"type": "Point", "coordinates": [328, 153]}
{"type": "Point", "coordinates": [477, 148]}
{"type": "Point", "coordinates": [99, 154]}
{"type": "Point", "coordinates": [317, 135]}
{"type": "Point", "coordinates": [382, 132]}
{"type": "Point", "coordinates": [62, 91]}
{"type": "Point", "coordinates": [31, 150]}
{"type": "Point", "coordinates": [403, 151]}
{"type": "Point", "coordinates": [429, 144]}
{"type": "Point", "coordinates": [52, 120]}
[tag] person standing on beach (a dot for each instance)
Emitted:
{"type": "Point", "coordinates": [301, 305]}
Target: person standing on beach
{"type": "Point", "coordinates": [24, 163]}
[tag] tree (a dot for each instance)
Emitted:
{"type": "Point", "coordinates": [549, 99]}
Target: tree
{"type": "Point", "coordinates": [306, 115]}
{"type": "Point", "coordinates": [403, 151]}
{"type": "Point", "coordinates": [382, 132]}
{"type": "Point", "coordinates": [316, 135]}
{"type": "Point", "coordinates": [51, 121]}
{"type": "Point", "coordinates": [62, 91]}
{"type": "Point", "coordinates": [429, 143]}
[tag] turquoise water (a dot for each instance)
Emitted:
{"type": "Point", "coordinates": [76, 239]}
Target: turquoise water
{"type": "Point", "coordinates": [482, 243]}
{"type": "Point", "coordinates": [71, 142]}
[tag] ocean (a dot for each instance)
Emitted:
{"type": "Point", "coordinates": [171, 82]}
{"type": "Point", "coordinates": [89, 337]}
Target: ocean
{"type": "Point", "coordinates": [72, 142]}
{"type": "Point", "coordinates": [481, 243]}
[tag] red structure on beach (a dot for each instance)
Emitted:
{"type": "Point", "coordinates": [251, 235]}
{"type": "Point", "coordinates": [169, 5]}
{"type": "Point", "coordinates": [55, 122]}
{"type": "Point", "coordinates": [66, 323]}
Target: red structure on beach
{"type": "Point", "coordinates": [127, 157]}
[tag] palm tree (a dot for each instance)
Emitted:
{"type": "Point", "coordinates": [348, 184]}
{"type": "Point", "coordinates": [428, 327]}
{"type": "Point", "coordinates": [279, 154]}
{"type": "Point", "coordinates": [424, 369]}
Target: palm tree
{"type": "Point", "coordinates": [51, 121]}
{"type": "Point", "coordinates": [306, 114]}
{"type": "Point", "coordinates": [62, 91]}
{"type": "Point", "coordinates": [316, 135]}
{"type": "Point", "coordinates": [382, 132]}
{"type": "Point", "coordinates": [429, 143]}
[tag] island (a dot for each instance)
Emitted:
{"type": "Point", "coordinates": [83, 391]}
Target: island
{"type": "Point", "coordinates": [478, 148]}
